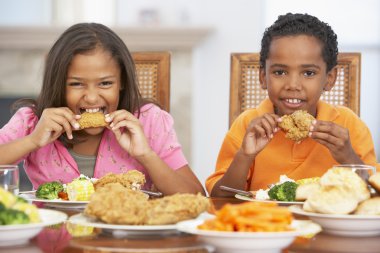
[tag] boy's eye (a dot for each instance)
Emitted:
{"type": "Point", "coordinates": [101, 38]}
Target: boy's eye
{"type": "Point", "coordinates": [309, 73]}
{"type": "Point", "coordinates": [279, 72]}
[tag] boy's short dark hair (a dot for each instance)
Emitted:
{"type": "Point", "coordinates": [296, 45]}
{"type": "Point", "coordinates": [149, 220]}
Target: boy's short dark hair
{"type": "Point", "coordinates": [298, 24]}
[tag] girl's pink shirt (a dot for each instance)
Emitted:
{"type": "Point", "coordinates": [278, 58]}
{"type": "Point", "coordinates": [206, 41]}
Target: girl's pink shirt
{"type": "Point", "coordinates": [53, 162]}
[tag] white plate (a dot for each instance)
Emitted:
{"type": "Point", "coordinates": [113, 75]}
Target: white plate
{"type": "Point", "coordinates": [81, 219]}
{"type": "Point", "coordinates": [281, 203]}
{"type": "Point", "coordinates": [58, 203]}
{"type": "Point", "coordinates": [343, 224]}
{"type": "Point", "coordinates": [20, 234]}
{"type": "Point", "coordinates": [249, 241]}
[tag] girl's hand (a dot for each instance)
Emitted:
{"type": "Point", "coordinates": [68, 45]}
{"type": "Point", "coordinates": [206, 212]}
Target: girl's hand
{"type": "Point", "coordinates": [336, 139]}
{"type": "Point", "coordinates": [259, 132]}
{"type": "Point", "coordinates": [52, 123]}
{"type": "Point", "coordinates": [129, 133]}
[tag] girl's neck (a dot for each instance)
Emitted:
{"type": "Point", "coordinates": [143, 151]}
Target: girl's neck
{"type": "Point", "coordinates": [89, 146]}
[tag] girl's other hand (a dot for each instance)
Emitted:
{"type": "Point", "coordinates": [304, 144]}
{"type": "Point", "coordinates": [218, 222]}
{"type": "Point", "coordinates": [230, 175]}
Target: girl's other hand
{"type": "Point", "coordinates": [129, 133]}
{"type": "Point", "coordinates": [336, 139]}
{"type": "Point", "coordinates": [259, 132]}
{"type": "Point", "coordinates": [54, 122]}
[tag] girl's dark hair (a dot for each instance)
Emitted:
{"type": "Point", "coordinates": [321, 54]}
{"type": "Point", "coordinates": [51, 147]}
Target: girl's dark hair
{"type": "Point", "coordinates": [298, 24]}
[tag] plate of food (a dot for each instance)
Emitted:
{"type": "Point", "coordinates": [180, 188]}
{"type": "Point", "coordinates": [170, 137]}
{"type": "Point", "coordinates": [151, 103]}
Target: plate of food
{"type": "Point", "coordinates": [20, 221]}
{"type": "Point", "coordinates": [343, 224]}
{"type": "Point", "coordinates": [282, 203]}
{"type": "Point", "coordinates": [57, 203]}
{"type": "Point", "coordinates": [251, 228]}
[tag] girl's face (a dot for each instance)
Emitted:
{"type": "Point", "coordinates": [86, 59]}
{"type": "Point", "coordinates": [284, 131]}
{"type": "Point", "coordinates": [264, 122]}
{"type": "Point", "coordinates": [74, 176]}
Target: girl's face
{"type": "Point", "coordinates": [93, 84]}
{"type": "Point", "coordinates": [295, 74]}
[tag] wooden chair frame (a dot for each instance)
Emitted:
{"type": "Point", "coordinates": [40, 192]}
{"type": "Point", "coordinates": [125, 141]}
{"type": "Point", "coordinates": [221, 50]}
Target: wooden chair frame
{"type": "Point", "coordinates": [348, 63]}
{"type": "Point", "coordinates": [155, 67]}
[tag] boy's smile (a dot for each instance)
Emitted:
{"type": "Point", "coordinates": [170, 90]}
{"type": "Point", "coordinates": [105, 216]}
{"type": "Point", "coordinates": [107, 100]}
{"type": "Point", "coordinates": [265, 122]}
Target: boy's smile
{"type": "Point", "coordinates": [295, 74]}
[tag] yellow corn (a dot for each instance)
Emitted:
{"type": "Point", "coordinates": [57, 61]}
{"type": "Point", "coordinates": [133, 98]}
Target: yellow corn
{"type": "Point", "coordinates": [80, 189]}
{"type": "Point", "coordinates": [79, 230]}
{"type": "Point", "coordinates": [29, 209]}
{"type": "Point", "coordinates": [308, 180]}
{"type": "Point", "coordinates": [7, 198]}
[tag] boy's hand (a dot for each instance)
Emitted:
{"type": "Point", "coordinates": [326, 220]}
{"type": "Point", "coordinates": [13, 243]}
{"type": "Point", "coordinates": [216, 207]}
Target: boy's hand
{"type": "Point", "coordinates": [52, 123]}
{"type": "Point", "coordinates": [259, 132]}
{"type": "Point", "coordinates": [336, 139]}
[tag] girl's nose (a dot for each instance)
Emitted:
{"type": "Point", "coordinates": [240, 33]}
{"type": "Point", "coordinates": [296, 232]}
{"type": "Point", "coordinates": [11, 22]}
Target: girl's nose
{"type": "Point", "coordinates": [91, 95]}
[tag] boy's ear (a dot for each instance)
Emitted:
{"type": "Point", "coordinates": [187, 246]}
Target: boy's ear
{"type": "Point", "coordinates": [331, 78]}
{"type": "Point", "coordinates": [262, 78]}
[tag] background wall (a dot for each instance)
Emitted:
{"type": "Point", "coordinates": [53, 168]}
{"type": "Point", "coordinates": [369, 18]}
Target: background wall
{"type": "Point", "coordinates": [200, 74]}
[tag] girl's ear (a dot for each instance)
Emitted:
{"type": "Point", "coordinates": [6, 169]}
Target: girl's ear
{"type": "Point", "coordinates": [331, 78]}
{"type": "Point", "coordinates": [262, 78]}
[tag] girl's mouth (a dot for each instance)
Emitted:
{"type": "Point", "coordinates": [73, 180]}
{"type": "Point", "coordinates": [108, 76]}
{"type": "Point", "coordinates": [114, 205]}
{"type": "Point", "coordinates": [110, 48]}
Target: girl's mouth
{"type": "Point", "coordinates": [93, 110]}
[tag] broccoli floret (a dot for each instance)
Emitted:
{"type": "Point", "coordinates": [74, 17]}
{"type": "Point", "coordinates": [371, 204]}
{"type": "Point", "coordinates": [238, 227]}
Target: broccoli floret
{"type": "Point", "coordinates": [49, 190]}
{"type": "Point", "coordinates": [12, 217]}
{"type": "Point", "coordinates": [2, 206]}
{"type": "Point", "coordinates": [273, 192]}
{"type": "Point", "coordinates": [287, 191]}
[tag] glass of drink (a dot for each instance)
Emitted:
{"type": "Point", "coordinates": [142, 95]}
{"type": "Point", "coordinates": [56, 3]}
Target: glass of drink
{"type": "Point", "coordinates": [10, 178]}
{"type": "Point", "coordinates": [364, 171]}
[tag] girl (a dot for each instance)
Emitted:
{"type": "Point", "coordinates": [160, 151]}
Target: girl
{"type": "Point", "coordinates": [89, 69]}
{"type": "Point", "coordinates": [297, 58]}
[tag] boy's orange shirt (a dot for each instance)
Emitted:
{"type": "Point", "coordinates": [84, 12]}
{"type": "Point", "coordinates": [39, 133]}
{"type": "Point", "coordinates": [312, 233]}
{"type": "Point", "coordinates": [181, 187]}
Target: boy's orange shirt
{"type": "Point", "coordinates": [284, 156]}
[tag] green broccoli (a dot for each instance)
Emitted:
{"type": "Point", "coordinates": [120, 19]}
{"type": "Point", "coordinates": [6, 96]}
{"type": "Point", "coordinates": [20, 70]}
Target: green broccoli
{"type": "Point", "coordinates": [273, 192]}
{"type": "Point", "coordinates": [20, 200]}
{"type": "Point", "coordinates": [283, 192]}
{"type": "Point", "coordinates": [2, 206]}
{"type": "Point", "coordinates": [49, 190]}
{"type": "Point", "coordinates": [12, 217]}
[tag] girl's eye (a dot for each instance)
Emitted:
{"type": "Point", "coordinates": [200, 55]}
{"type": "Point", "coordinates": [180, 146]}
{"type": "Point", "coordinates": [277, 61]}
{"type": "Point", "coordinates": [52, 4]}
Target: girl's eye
{"type": "Point", "coordinates": [279, 72]}
{"type": "Point", "coordinates": [309, 73]}
{"type": "Point", "coordinates": [74, 84]}
{"type": "Point", "coordinates": [105, 83]}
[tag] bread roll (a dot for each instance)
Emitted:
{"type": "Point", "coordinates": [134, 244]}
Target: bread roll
{"type": "Point", "coordinates": [369, 207]}
{"type": "Point", "coordinates": [305, 190]}
{"type": "Point", "coordinates": [374, 180]}
{"type": "Point", "coordinates": [338, 199]}
{"type": "Point", "coordinates": [347, 177]}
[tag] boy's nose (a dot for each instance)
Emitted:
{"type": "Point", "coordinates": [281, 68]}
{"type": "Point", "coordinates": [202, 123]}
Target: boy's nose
{"type": "Point", "coordinates": [294, 82]}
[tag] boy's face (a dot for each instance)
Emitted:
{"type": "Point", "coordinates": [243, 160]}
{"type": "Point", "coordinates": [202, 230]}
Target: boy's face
{"type": "Point", "coordinates": [295, 74]}
{"type": "Point", "coordinates": [93, 84]}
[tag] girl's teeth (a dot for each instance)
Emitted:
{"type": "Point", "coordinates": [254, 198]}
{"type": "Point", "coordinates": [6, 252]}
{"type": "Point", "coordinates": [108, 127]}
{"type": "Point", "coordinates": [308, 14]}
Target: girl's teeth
{"type": "Point", "coordinates": [293, 101]}
{"type": "Point", "coordinates": [93, 110]}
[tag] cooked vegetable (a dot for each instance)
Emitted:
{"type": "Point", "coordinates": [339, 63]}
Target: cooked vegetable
{"type": "Point", "coordinates": [80, 189]}
{"type": "Point", "coordinates": [49, 190]}
{"type": "Point", "coordinates": [30, 210]}
{"type": "Point", "coordinates": [12, 217]}
{"type": "Point", "coordinates": [283, 192]}
{"type": "Point", "coordinates": [308, 180]}
{"type": "Point", "coordinates": [7, 198]}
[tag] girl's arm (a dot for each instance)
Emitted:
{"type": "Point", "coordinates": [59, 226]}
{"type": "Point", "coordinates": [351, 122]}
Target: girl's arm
{"type": "Point", "coordinates": [170, 181]}
{"type": "Point", "coordinates": [12, 152]}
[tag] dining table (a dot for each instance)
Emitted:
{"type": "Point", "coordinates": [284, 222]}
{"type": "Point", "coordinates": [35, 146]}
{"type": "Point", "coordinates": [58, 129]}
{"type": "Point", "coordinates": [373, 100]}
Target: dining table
{"type": "Point", "coordinates": [71, 238]}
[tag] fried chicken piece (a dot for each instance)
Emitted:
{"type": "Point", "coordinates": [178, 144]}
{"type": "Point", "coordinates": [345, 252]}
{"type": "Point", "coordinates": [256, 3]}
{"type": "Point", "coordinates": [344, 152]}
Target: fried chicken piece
{"type": "Point", "coordinates": [132, 179]}
{"type": "Point", "coordinates": [93, 119]}
{"type": "Point", "coordinates": [115, 204]}
{"type": "Point", "coordinates": [296, 125]}
{"type": "Point", "coordinates": [175, 208]}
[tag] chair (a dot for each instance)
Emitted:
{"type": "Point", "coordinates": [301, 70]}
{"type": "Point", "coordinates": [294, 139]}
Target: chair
{"type": "Point", "coordinates": [153, 74]}
{"type": "Point", "coordinates": [246, 92]}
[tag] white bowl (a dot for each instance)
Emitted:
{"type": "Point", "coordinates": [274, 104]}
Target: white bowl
{"type": "Point", "coordinates": [241, 242]}
{"type": "Point", "coordinates": [343, 224]}
{"type": "Point", "coordinates": [20, 234]}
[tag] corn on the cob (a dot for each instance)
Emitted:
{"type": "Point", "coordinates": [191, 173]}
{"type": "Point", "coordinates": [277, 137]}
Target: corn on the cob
{"type": "Point", "coordinates": [308, 180]}
{"type": "Point", "coordinates": [79, 230]}
{"type": "Point", "coordinates": [28, 209]}
{"type": "Point", "coordinates": [80, 189]}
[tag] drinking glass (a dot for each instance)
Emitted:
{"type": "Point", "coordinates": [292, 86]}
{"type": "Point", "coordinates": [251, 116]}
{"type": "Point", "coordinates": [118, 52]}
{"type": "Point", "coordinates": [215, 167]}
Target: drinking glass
{"type": "Point", "coordinates": [364, 171]}
{"type": "Point", "coordinates": [10, 178]}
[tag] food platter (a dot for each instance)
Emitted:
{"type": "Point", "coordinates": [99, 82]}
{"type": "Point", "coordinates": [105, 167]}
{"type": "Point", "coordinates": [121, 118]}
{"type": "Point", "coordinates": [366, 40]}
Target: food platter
{"type": "Point", "coordinates": [83, 220]}
{"type": "Point", "coordinates": [20, 234]}
{"type": "Point", "coordinates": [343, 224]}
{"type": "Point", "coordinates": [249, 241]}
{"type": "Point", "coordinates": [281, 203]}
{"type": "Point", "coordinates": [57, 203]}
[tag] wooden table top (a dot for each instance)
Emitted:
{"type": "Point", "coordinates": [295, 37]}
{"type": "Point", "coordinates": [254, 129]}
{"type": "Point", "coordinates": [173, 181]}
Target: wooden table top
{"type": "Point", "coordinates": [63, 238]}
